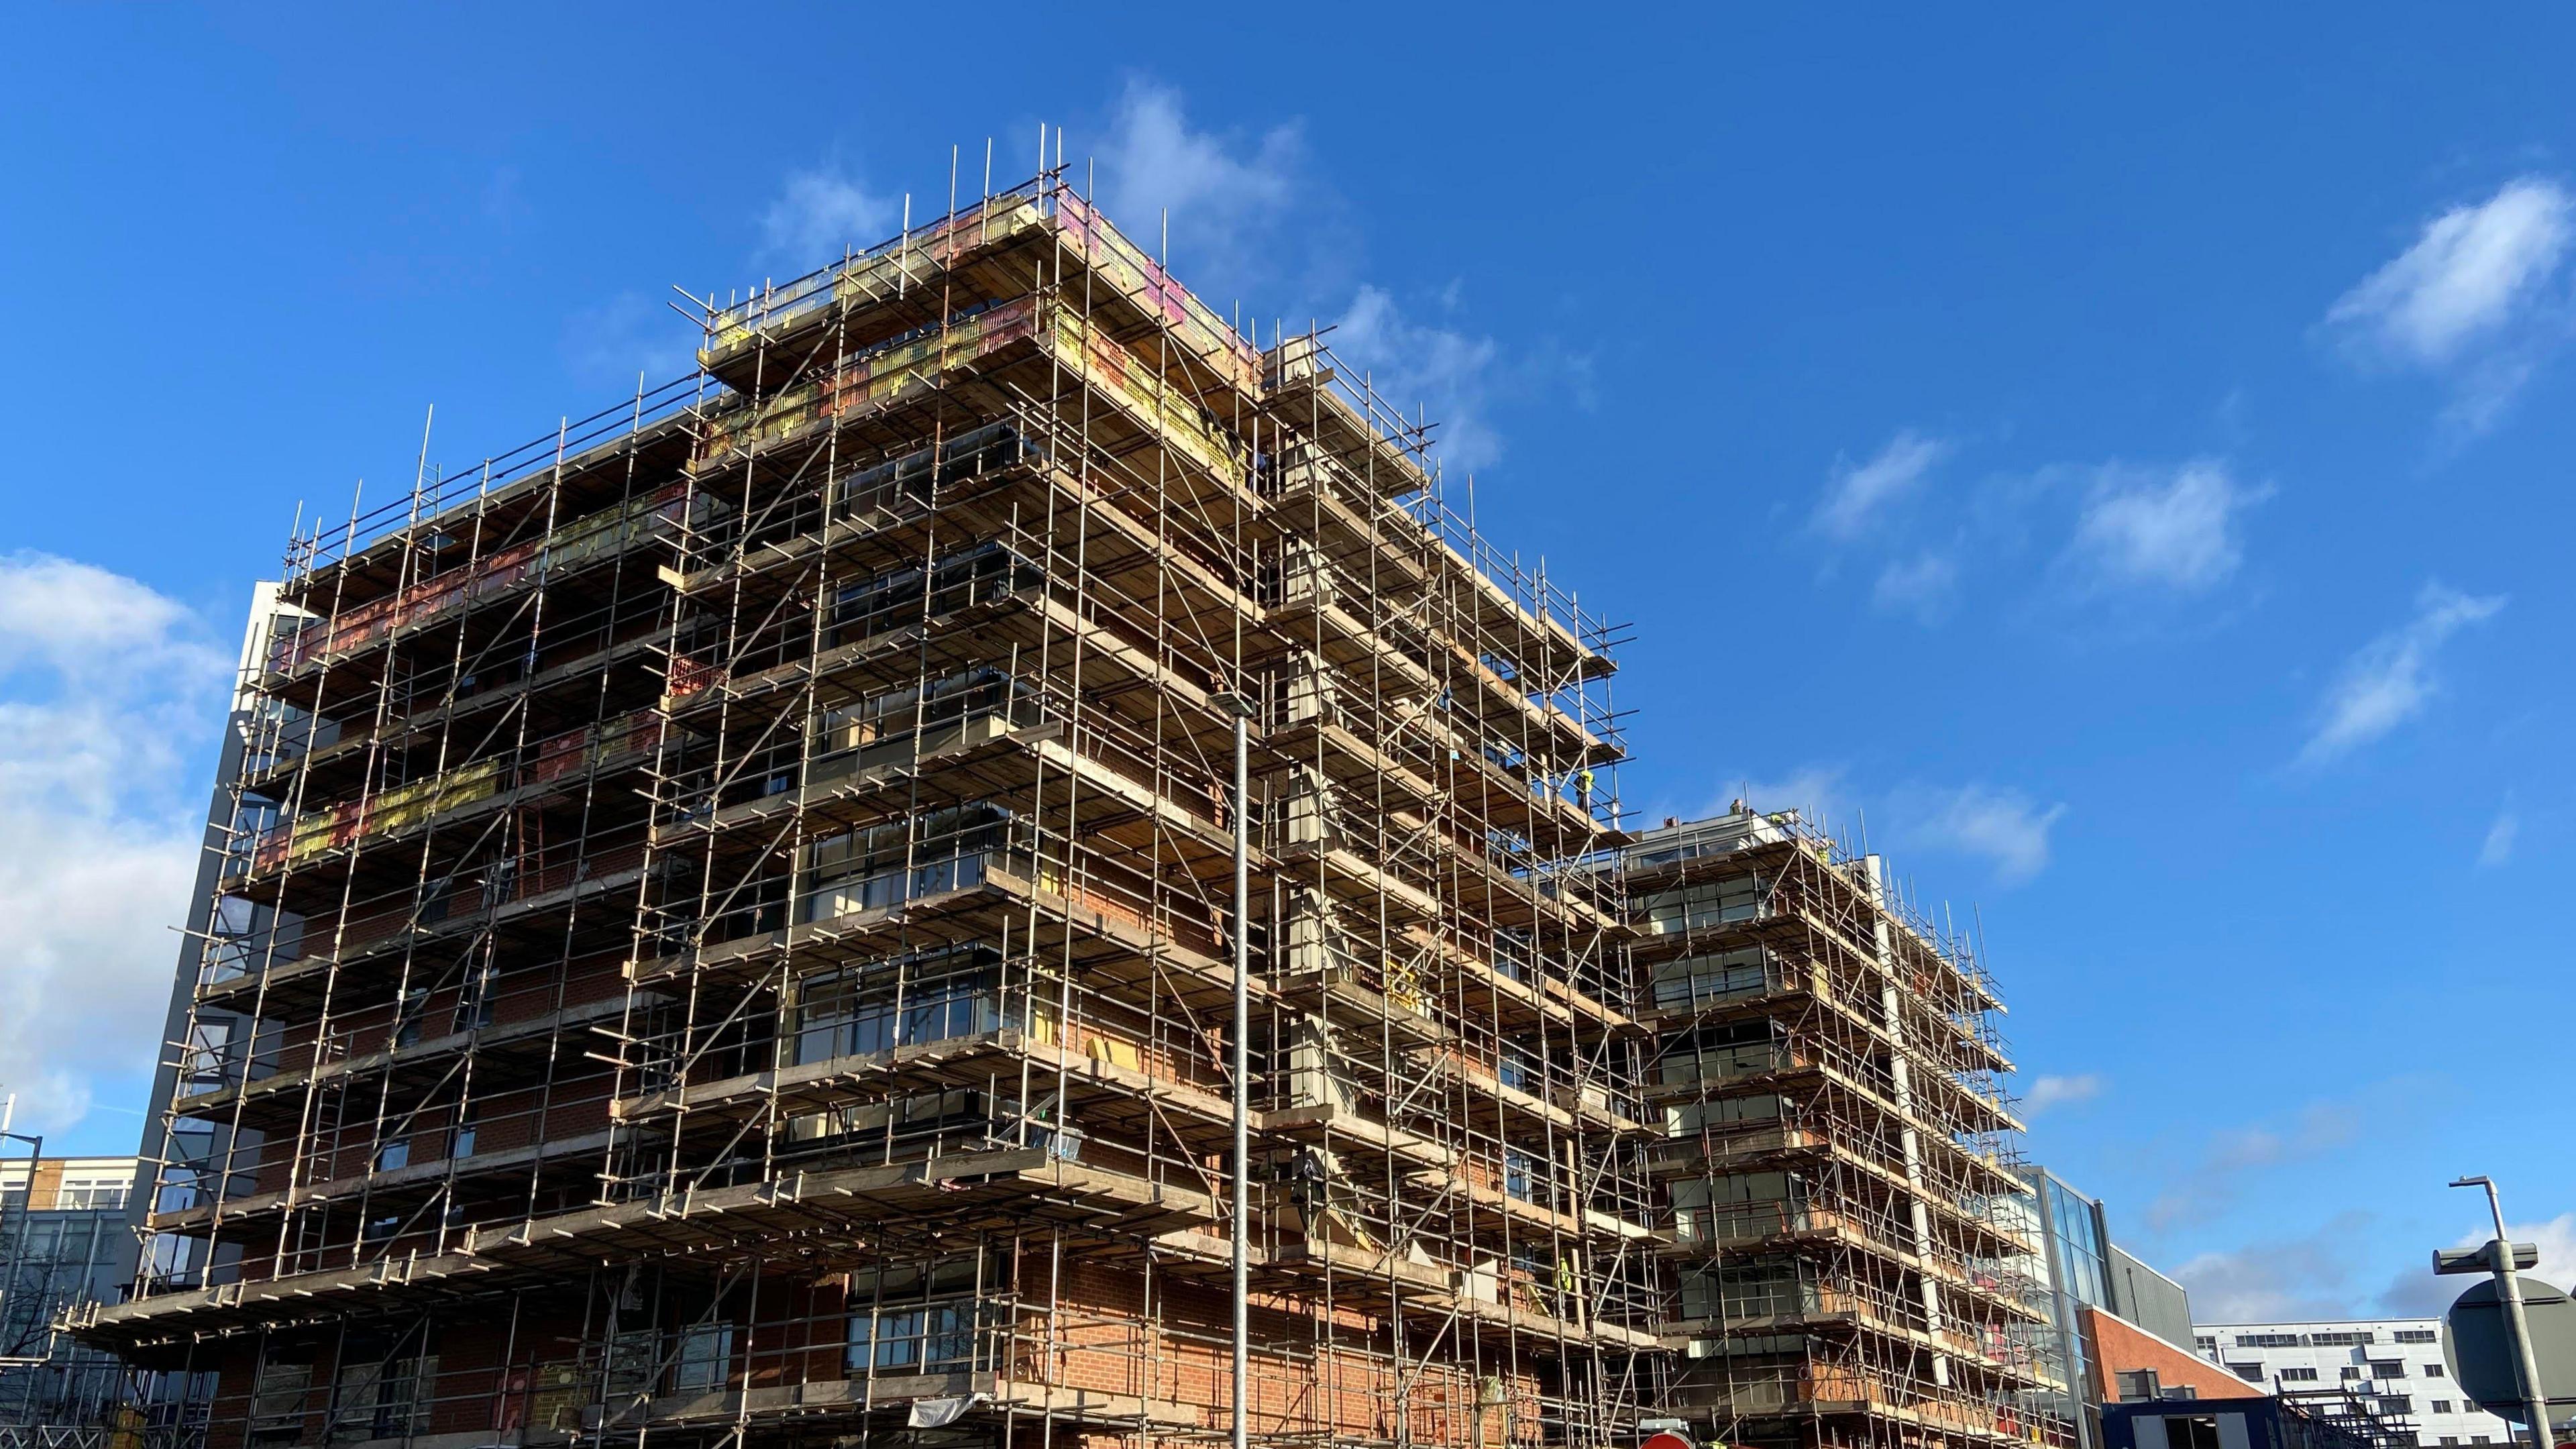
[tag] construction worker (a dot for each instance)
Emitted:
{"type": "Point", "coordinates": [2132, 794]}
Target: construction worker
{"type": "Point", "coordinates": [1583, 789]}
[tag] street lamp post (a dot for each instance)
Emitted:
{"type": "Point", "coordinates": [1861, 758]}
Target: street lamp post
{"type": "Point", "coordinates": [2535, 1404]}
{"type": "Point", "coordinates": [1241, 708]}
{"type": "Point", "coordinates": [9, 1246]}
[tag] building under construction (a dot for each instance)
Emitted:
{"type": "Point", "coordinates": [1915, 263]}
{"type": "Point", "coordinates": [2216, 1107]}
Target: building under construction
{"type": "Point", "coordinates": [724, 928]}
{"type": "Point", "coordinates": [1852, 1259]}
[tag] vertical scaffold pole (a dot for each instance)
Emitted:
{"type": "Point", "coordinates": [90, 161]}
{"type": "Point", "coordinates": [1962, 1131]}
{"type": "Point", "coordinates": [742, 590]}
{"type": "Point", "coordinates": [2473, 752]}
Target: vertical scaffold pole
{"type": "Point", "coordinates": [1241, 708]}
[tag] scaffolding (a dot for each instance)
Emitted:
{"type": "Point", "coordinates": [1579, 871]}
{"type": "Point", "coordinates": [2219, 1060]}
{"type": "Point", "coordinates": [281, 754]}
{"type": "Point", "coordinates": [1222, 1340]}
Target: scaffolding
{"type": "Point", "coordinates": [725, 918]}
{"type": "Point", "coordinates": [1851, 1261]}
{"type": "Point", "coordinates": [2338, 1418]}
{"type": "Point", "coordinates": [725, 931]}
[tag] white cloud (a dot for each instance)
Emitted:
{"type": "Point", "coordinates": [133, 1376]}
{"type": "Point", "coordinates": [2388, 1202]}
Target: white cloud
{"type": "Point", "coordinates": [2463, 277]}
{"type": "Point", "coordinates": [2004, 826]}
{"type": "Point", "coordinates": [2229, 1161]}
{"type": "Point", "coordinates": [2049, 1091]}
{"type": "Point", "coordinates": [2172, 530]}
{"type": "Point", "coordinates": [2389, 680]}
{"type": "Point", "coordinates": [630, 333]}
{"type": "Point", "coordinates": [1448, 374]}
{"type": "Point", "coordinates": [79, 620]}
{"type": "Point", "coordinates": [1223, 195]}
{"type": "Point", "coordinates": [107, 691]}
{"type": "Point", "coordinates": [1921, 586]}
{"type": "Point", "coordinates": [87, 902]}
{"type": "Point", "coordinates": [2486, 389]}
{"type": "Point", "coordinates": [2414, 1291]}
{"type": "Point", "coordinates": [2282, 1280]}
{"type": "Point", "coordinates": [1856, 495]}
{"type": "Point", "coordinates": [2497, 847]}
{"type": "Point", "coordinates": [2324, 1273]}
{"type": "Point", "coordinates": [1226, 198]}
{"type": "Point", "coordinates": [2472, 300]}
{"type": "Point", "coordinates": [2554, 1237]}
{"type": "Point", "coordinates": [505, 198]}
{"type": "Point", "coordinates": [821, 213]}
{"type": "Point", "coordinates": [2556, 1240]}
{"type": "Point", "coordinates": [1815, 791]}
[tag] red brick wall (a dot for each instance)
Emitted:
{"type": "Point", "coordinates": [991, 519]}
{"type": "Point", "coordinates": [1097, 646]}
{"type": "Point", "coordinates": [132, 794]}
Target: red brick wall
{"type": "Point", "coordinates": [1180, 1354]}
{"type": "Point", "coordinates": [2116, 1346]}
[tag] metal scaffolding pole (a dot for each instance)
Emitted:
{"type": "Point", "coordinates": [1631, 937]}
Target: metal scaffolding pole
{"type": "Point", "coordinates": [1241, 708]}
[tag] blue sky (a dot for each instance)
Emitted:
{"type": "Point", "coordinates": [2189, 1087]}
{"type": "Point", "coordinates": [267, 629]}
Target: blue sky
{"type": "Point", "coordinates": [2120, 460]}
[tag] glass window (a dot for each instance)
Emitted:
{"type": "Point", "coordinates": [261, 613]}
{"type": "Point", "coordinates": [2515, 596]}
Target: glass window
{"type": "Point", "coordinates": [965, 576]}
{"type": "Point", "coordinates": [1520, 1069]}
{"type": "Point", "coordinates": [1698, 980]}
{"type": "Point", "coordinates": [884, 726]}
{"type": "Point", "coordinates": [859, 1010]}
{"type": "Point", "coordinates": [380, 1398]}
{"type": "Point", "coordinates": [91, 1195]}
{"type": "Point", "coordinates": [475, 997]}
{"type": "Point", "coordinates": [407, 1016]}
{"type": "Point", "coordinates": [880, 866]}
{"type": "Point", "coordinates": [1740, 1204]}
{"type": "Point", "coordinates": [1722, 1060]}
{"type": "Point", "coordinates": [914, 1319]}
{"type": "Point", "coordinates": [228, 949]}
{"type": "Point", "coordinates": [634, 1356]}
{"type": "Point", "coordinates": [703, 1360]}
{"type": "Point", "coordinates": [925, 1122]}
{"type": "Point", "coordinates": [208, 1063]}
{"type": "Point", "coordinates": [1764, 1288]}
{"type": "Point", "coordinates": [1737, 898]}
{"type": "Point", "coordinates": [1724, 1114]}
{"type": "Point", "coordinates": [2198, 1431]}
{"type": "Point", "coordinates": [2079, 1245]}
{"type": "Point", "coordinates": [277, 1402]}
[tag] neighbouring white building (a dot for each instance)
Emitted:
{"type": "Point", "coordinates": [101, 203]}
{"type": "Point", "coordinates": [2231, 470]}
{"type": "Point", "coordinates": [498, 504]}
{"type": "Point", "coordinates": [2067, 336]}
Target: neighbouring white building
{"type": "Point", "coordinates": [2394, 1365]}
{"type": "Point", "coordinates": [65, 1238]}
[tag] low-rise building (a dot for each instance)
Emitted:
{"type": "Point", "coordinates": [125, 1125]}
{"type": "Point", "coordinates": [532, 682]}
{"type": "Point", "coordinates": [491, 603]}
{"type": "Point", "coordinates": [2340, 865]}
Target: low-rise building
{"type": "Point", "coordinates": [2255, 1421]}
{"type": "Point", "coordinates": [63, 1240]}
{"type": "Point", "coordinates": [2394, 1364]}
